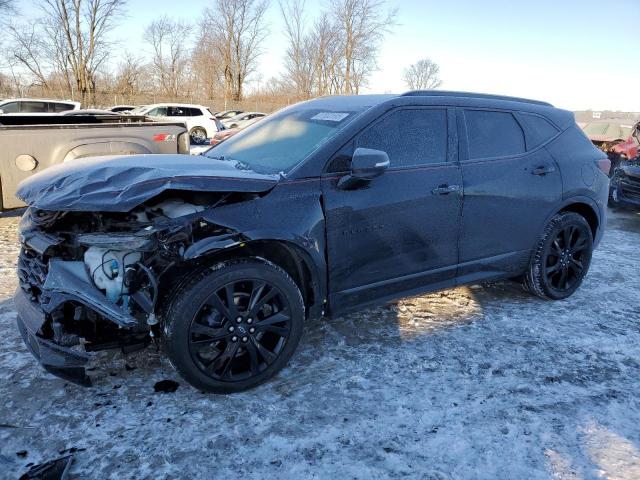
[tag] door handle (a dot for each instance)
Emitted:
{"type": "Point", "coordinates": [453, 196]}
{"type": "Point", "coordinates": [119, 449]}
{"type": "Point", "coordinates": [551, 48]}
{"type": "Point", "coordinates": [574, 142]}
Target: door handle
{"type": "Point", "coordinates": [446, 189]}
{"type": "Point", "coordinates": [543, 170]}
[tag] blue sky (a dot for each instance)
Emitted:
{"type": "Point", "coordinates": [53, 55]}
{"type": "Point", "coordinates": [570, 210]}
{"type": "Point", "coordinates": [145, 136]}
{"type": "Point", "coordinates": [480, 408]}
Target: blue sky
{"type": "Point", "coordinates": [578, 54]}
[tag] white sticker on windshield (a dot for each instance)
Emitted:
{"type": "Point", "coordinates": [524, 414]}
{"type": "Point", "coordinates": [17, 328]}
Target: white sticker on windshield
{"type": "Point", "coordinates": [330, 116]}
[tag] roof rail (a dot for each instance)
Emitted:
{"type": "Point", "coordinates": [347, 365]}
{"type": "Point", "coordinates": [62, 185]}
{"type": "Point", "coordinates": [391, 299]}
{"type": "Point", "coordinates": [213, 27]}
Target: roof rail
{"type": "Point", "coordinates": [445, 93]}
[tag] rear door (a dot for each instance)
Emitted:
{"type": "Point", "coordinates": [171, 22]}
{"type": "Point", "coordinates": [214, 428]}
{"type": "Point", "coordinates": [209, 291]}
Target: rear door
{"type": "Point", "coordinates": [511, 185]}
{"type": "Point", "coordinates": [399, 233]}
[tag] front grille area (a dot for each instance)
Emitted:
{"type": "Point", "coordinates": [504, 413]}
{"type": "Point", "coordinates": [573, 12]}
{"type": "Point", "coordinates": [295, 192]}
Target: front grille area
{"type": "Point", "coordinates": [32, 272]}
{"type": "Point", "coordinates": [630, 187]}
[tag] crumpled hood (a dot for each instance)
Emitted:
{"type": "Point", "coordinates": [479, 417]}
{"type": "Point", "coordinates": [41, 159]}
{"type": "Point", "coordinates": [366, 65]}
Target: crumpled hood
{"type": "Point", "coordinates": [120, 183]}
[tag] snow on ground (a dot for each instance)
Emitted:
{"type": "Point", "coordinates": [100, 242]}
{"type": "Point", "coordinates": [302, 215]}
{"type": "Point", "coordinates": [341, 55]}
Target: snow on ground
{"type": "Point", "coordinates": [481, 382]}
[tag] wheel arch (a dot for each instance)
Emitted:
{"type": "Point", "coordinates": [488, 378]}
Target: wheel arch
{"type": "Point", "coordinates": [588, 212]}
{"type": "Point", "coordinates": [287, 255]}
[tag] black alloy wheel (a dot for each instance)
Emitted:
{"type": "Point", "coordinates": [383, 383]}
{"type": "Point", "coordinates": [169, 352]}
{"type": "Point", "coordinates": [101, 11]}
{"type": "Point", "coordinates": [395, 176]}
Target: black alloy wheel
{"type": "Point", "coordinates": [566, 259]}
{"type": "Point", "coordinates": [240, 330]}
{"type": "Point", "coordinates": [233, 326]}
{"type": "Point", "coordinates": [562, 257]}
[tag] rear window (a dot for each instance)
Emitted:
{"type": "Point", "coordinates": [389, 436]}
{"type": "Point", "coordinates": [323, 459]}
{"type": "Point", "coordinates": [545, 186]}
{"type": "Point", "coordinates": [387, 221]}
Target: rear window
{"type": "Point", "coordinates": [538, 130]}
{"type": "Point", "coordinates": [493, 134]}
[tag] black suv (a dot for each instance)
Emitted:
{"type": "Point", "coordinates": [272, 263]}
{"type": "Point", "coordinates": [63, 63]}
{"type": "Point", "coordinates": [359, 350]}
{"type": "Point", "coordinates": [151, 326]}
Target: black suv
{"type": "Point", "coordinates": [324, 207]}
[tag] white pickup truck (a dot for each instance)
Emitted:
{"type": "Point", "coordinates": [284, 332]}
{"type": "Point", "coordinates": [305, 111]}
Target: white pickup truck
{"type": "Point", "coordinates": [31, 143]}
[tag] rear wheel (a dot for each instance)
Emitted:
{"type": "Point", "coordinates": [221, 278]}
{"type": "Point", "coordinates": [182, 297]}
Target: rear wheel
{"type": "Point", "coordinates": [562, 257]}
{"type": "Point", "coordinates": [198, 135]}
{"type": "Point", "coordinates": [234, 326]}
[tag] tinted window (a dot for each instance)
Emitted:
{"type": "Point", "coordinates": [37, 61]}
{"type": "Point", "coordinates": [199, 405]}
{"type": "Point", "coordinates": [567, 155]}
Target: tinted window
{"type": "Point", "coordinates": [537, 129]}
{"type": "Point", "coordinates": [410, 137]}
{"type": "Point", "coordinates": [178, 112]}
{"type": "Point", "coordinates": [194, 112]}
{"type": "Point", "coordinates": [493, 134]}
{"type": "Point", "coordinates": [158, 112]}
{"type": "Point", "coordinates": [12, 107]}
{"type": "Point", "coordinates": [56, 107]}
{"type": "Point", "coordinates": [33, 107]}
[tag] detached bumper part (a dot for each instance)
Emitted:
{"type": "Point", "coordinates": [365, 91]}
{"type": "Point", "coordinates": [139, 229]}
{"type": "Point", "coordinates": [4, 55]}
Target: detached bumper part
{"type": "Point", "coordinates": [69, 281]}
{"type": "Point", "coordinates": [56, 359]}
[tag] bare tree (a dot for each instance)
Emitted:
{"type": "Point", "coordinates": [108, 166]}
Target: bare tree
{"type": "Point", "coordinates": [29, 45]}
{"type": "Point", "coordinates": [69, 42]}
{"type": "Point", "coordinates": [422, 75]}
{"type": "Point", "coordinates": [299, 61]}
{"type": "Point", "coordinates": [238, 28]}
{"type": "Point", "coordinates": [128, 80]}
{"type": "Point", "coordinates": [363, 24]}
{"type": "Point", "coordinates": [207, 65]}
{"type": "Point", "coordinates": [169, 39]}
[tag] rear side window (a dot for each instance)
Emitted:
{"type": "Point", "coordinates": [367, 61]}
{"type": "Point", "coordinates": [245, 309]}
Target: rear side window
{"type": "Point", "coordinates": [55, 107]}
{"type": "Point", "coordinates": [158, 112]}
{"type": "Point", "coordinates": [410, 137]}
{"type": "Point", "coordinates": [537, 129]}
{"type": "Point", "coordinates": [177, 112]}
{"type": "Point", "coordinates": [33, 107]}
{"type": "Point", "coordinates": [493, 134]}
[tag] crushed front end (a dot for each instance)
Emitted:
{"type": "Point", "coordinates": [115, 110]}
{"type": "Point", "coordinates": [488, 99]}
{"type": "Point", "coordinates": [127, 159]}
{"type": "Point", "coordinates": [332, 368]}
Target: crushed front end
{"type": "Point", "coordinates": [91, 281]}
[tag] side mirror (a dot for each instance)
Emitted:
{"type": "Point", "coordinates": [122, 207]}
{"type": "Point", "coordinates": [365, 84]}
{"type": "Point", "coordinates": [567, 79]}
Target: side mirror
{"type": "Point", "coordinates": [366, 165]}
{"type": "Point", "coordinates": [1, 111]}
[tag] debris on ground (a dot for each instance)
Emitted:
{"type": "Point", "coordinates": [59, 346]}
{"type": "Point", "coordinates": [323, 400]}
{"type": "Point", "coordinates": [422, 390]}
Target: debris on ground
{"type": "Point", "coordinates": [57, 469]}
{"type": "Point", "coordinates": [166, 386]}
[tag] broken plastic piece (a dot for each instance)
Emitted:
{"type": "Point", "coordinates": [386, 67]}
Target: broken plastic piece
{"type": "Point", "coordinates": [57, 469]}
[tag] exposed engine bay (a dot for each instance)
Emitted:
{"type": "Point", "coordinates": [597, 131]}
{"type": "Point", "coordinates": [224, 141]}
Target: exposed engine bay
{"type": "Point", "coordinates": [99, 276]}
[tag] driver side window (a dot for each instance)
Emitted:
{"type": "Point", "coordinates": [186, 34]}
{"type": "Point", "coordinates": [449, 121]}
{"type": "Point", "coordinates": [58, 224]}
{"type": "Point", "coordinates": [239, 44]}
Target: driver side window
{"type": "Point", "coordinates": [411, 137]}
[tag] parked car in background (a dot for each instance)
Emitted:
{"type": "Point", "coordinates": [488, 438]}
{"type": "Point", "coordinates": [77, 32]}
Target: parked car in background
{"type": "Point", "coordinates": [36, 105]}
{"type": "Point", "coordinates": [625, 185]}
{"type": "Point", "coordinates": [227, 114]}
{"type": "Point", "coordinates": [618, 138]}
{"type": "Point", "coordinates": [31, 143]}
{"type": "Point", "coordinates": [88, 111]}
{"type": "Point", "coordinates": [322, 208]}
{"type": "Point", "coordinates": [199, 120]}
{"type": "Point", "coordinates": [222, 135]}
{"type": "Point", "coordinates": [122, 108]}
{"type": "Point", "coordinates": [230, 132]}
{"type": "Point", "coordinates": [242, 119]}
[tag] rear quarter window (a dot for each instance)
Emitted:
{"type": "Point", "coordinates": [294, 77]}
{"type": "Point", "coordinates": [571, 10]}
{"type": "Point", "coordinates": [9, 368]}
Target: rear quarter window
{"type": "Point", "coordinates": [538, 130]}
{"type": "Point", "coordinates": [493, 134]}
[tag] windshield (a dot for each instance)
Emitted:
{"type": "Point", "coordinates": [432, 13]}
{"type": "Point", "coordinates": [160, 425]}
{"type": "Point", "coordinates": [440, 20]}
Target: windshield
{"type": "Point", "coordinates": [279, 142]}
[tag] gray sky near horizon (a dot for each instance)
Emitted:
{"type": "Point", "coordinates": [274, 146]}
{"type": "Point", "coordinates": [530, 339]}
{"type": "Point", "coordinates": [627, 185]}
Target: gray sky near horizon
{"type": "Point", "coordinates": [576, 54]}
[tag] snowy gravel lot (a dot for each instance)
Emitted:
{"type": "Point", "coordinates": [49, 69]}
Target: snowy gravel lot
{"type": "Point", "coordinates": [481, 382]}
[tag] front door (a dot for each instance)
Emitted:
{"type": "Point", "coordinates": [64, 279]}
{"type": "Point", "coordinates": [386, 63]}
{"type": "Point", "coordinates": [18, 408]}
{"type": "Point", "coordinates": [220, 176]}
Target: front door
{"type": "Point", "coordinates": [399, 233]}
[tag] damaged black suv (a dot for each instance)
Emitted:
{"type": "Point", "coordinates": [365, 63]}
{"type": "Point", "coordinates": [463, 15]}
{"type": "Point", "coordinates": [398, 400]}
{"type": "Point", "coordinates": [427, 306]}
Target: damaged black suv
{"type": "Point", "coordinates": [321, 208]}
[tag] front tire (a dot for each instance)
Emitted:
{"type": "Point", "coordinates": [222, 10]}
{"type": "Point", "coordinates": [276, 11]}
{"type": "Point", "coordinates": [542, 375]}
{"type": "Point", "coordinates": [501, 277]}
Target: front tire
{"type": "Point", "coordinates": [562, 257]}
{"type": "Point", "coordinates": [233, 326]}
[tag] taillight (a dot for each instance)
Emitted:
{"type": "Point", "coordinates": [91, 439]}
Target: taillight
{"type": "Point", "coordinates": [604, 164]}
